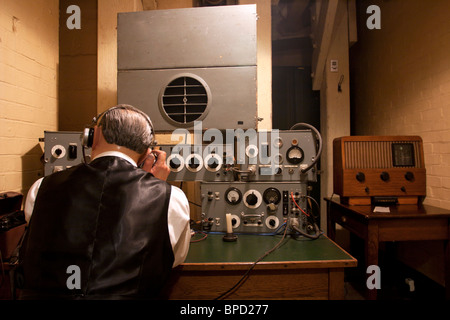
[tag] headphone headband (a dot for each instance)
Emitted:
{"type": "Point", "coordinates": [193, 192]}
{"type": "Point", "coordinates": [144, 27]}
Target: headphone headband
{"type": "Point", "coordinates": [88, 133]}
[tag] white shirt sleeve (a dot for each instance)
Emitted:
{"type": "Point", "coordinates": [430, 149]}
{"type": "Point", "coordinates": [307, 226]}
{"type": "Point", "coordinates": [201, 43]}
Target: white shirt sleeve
{"type": "Point", "coordinates": [179, 226]}
{"type": "Point", "coordinates": [31, 198]}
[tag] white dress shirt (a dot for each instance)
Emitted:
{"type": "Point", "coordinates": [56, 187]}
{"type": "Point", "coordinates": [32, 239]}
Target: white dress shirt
{"type": "Point", "coordinates": [178, 214]}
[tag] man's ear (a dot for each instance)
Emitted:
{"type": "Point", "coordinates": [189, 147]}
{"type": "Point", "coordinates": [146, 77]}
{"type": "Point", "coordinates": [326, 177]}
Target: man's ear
{"type": "Point", "coordinates": [144, 156]}
{"type": "Point", "coordinates": [98, 135]}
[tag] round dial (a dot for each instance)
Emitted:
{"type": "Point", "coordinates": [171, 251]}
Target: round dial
{"type": "Point", "coordinates": [175, 162]}
{"type": "Point", "coordinates": [295, 155]}
{"type": "Point", "coordinates": [194, 163]}
{"type": "Point", "coordinates": [272, 195]}
{"type": "Point", "coordinates": [252, 198]}
{"type": "Point", "coordinates": [213, 162]}
{"type": "Point", "coordinates": [233, 196]}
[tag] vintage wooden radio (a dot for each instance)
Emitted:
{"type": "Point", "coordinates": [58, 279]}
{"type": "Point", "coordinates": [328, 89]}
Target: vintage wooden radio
{"type": "Point", "coordinates": [379, 169]}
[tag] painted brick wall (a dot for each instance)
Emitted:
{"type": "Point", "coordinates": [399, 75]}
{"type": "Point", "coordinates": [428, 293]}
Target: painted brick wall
{"type": "Point", "coordinates": [401, 82]}
{"type": "Point", "coordinates": [28, 87]}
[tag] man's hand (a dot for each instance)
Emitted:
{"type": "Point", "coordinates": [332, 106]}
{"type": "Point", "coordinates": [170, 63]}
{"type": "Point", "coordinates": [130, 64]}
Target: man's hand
{"type": "Point", "coordinates": [159, 167]}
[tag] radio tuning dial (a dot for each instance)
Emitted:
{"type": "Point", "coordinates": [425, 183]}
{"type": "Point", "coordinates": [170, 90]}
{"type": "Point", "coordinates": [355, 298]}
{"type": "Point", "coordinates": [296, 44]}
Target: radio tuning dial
{"type": "Point", "coordinates": [360, 176]}
{"type": "Point", "coordinates": [251, 199]}
{"type": "Point", "coordinates": [193, 163]}
{"type": "Point", "coordinates": [175, 163]}
{"type": "Point", "coordinates": [384, 176]}
{"type": "Point", "coordinates": [409, 176]}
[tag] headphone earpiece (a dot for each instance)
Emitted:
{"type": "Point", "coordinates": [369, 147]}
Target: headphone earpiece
{"type": "Point", "coordinates": [88, 137]}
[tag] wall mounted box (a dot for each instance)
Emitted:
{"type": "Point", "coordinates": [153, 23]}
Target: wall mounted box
{"type": "Point", "coordinates": [186, 65]}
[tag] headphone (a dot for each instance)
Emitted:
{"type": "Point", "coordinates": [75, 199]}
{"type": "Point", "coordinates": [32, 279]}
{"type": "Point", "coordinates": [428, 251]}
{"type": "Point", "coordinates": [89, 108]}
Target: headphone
{"type": "Point", "coordinates": [87, 137]}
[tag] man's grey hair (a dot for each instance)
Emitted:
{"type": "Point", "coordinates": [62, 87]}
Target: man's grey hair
{"type": "Point", "coordinates": [127, 126]}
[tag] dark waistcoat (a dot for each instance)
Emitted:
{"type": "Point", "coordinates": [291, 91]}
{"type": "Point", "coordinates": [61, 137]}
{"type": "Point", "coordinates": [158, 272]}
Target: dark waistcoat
{"type": "Point", "coordinates": [107, 223]}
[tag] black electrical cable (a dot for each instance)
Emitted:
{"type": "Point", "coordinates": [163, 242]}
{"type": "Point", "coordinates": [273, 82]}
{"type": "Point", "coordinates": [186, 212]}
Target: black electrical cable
{"type": "Point", "coordinates": [317, 232]}
{"type": "Point", "coordinates": [316, 235]}
{"type": "Point", "coordinates": [319, 137]}
{"type": "Point", "coordinates": [245, 276]}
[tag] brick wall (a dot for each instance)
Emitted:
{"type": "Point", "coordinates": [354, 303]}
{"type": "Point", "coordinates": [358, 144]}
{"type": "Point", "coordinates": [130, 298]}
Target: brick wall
{"type": "Point", "coordinates": [28, 87]}
{"type": "Point", "coordinates": [401, 82]}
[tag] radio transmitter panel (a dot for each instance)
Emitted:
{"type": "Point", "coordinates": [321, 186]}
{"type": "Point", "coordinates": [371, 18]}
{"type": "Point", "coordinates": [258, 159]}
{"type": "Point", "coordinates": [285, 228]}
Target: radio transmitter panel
{"type": "Point", "coordinates": [372, 169]}
{"type": "Point", "coordinates": [255, 207]}
{"type": "Point", "coordinates": [260, 178]}
{"type": "Point", "coordinates": [276, 156]}
{"type": "Point", "coordinates": [62, 150]}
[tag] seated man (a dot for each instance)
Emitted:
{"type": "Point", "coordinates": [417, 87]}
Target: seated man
{"type": "Point", "coordinates": [108, 229]}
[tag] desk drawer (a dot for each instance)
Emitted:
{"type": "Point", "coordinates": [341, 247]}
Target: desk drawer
{"type": "Point", "coordinates": [348, 222]}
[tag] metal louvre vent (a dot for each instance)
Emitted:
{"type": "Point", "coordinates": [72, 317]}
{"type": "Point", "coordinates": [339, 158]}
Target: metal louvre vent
{"type": "Point", "coordinates": [184, 100]}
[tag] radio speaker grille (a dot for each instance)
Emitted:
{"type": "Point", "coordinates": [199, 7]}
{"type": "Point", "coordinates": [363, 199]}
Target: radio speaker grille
{"type": "Point", "coordinates": [375, 154]}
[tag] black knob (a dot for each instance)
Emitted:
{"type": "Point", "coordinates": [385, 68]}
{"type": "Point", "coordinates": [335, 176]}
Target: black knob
{"type": "Point", "coordinates": [251, 199]}
{"type": "Point", "coordinates": [213, 163]}
{"type": "Point", "coordinates": [175, 163]}
{"type": "Point", "coordinates": [72, 151]}
{"type": "Point", "coordinates": [361, 177]}
{"type": "Point", "coordinates": [384, 176]}
{"type": "Point", "coordinates": [194, 163]}
{"type": "Point", "coordinates": [272, 223]}
{"type": "Point", "coordinates": [409, 176]}
{"type": "Point", "coordinates": [58, 152]}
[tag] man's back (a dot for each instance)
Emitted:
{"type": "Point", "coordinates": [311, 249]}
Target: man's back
{"type": "Point", "coordinates": [109, 219]}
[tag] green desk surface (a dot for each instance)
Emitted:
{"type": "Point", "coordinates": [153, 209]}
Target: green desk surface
{"type": "Point", "coordinates": [248, 248]}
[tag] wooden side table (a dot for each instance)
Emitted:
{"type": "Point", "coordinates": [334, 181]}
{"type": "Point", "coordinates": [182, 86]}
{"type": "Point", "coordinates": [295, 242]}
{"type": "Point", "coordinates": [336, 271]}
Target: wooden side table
{"type": "Point", "coordinates": [403, 223]}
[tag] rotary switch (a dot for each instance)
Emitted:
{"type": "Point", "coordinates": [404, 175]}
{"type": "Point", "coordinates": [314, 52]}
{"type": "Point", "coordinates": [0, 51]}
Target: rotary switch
{"type": "Point", "coordinates": [384, 176]}
{"type": "Point", "coordinates": [409, 176]}
{"type": "Point", "coordinates": [175, 163]}
{"type": "Point", "coordinates": [251, 199]}
{"type": "Point", "coordinates": [360, 176]}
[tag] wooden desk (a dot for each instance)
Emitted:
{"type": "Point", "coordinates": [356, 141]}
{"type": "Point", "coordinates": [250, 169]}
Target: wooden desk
{"type": "Point", "coordinates": [403, 223]}
{"type": "Point", "coordinates": [298, 269]}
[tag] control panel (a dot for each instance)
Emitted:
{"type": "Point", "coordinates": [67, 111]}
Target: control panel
{"type": "Point", "coordinates": [256, 207]}
{"type": "Point", "coordinates": [263, 156]}
{"type": "Point", "coordinates": [199, 162]}
{"type": "Point", "coordinates": [62, 150]}
{"type": "Point", "coordinates": [261, 178]}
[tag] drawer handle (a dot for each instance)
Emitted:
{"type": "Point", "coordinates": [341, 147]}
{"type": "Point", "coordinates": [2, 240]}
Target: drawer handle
{"type": "Point", "coordinates": [344, 219]}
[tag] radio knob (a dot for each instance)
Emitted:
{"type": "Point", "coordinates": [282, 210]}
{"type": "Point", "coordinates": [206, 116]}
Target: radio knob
{"type": "Point", "coordinates": [409, 176]}
{"type": "Point", "coordinates": [175, 163]}
{"type": "Point", "coordinates": [384, 176]}
{"type": "Point", "coordinates": [213, 163]}
{"type": "Point", "coordinates": [251, 199]}
{"type": "Point", "coordinates": [271, 207]}
{"type": "Point", "coordinates": [272, 223]}
{"type": "Point", "coordinates": [360, 177]}
{"type": "Point", "coordinates": [193, 163]}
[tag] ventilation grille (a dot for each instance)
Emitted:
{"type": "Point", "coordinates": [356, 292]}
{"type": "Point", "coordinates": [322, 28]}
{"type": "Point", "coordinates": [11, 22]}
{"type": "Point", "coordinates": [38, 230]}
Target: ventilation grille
{"type": "Point", "coordinates": [376, 154]}
{"type": "Point", "coordinates": [185, 100]}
